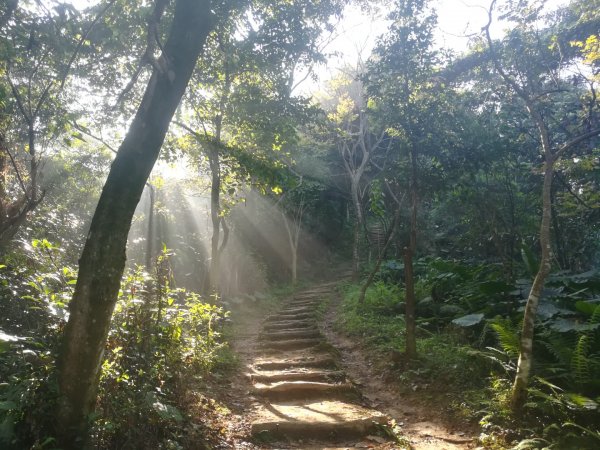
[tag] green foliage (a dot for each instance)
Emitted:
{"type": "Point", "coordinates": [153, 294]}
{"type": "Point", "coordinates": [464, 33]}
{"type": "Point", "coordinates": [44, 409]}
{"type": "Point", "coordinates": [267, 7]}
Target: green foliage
{"type": "Point", "coordinates": [507, 336]}
{"type": "Point", "coordinates": [162, 342]}
{"type": "Point", "coordinates": [472, 307]}
{"type": "Point", "coordinates": [379, 322]}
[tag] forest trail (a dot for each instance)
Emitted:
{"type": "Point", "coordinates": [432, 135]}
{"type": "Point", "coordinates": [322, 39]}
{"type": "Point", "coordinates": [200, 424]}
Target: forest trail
{"type": "Point", "coordinates": [304, 399]}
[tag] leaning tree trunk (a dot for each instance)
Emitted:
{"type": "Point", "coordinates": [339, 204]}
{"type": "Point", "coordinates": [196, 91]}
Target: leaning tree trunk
{"type": "Point", "coordinates": [103, 258]}
{"type": "Point", "coordinates": [519, 391]}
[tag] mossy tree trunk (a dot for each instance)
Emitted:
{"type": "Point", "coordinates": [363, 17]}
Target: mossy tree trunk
{"type": "Point", "coordinates": [103, 259]}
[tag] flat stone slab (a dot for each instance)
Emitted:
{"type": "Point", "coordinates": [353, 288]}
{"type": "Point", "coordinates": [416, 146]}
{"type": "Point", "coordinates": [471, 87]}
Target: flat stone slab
{"type": "Point", "coordinates": [291, 334]}
{"type": "Point", "coordinates": [274, 324]}
{"type": "Point", "coordinates": [291, 344]}
{"type": "Point", "coordinates": [297, 374]}
{"type": "Point", "coordinates": [298, 310]}
{"type": "Point", "coordinates": [317, 361]}
{"type": "Point", "coordinates": [328, 419]}
{"type": "Point", "coordinates": [291, 316]}
{"type": "Point", "coordinates": [291, 390]}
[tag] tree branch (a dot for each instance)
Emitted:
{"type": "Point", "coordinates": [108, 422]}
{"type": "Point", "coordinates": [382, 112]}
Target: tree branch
{"type": "Point", "coordinates": [575, 141]}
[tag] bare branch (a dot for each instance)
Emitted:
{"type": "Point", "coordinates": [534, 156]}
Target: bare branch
{"type": "Point", "coordinates": [17, 96]}
{"type": "Point", "coordinates": [152, 40]}
{"type": "Point", "coordinates": [18, 173]}
{"type": "Point", "coordinates": [97, 138]}
{"type": "Point", "coordinates": [575, 141]}
{"type": "Point", "coordinates": [81, 41]}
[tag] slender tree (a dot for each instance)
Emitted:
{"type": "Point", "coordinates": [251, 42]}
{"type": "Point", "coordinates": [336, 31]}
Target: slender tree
{"type": "Point", "coordinates": [103, 257]}
{"type": "Point", "coordinates": [398, 80]}
{"type": "Point", "coordinates": [534, 81]}
{"type": "Point", "coordinates": [358, 140]}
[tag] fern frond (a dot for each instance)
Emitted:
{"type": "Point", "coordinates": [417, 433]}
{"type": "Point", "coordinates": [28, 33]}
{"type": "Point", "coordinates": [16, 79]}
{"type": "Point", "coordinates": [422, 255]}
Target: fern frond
{"type": "Point", "coordinates": [595, 315]}
{"type": "Point", "coordinates": [560, 346]}
{"type": "Point", "coordinates": [580, 362]}
{"type": "Point", "coordinates": [507, 336]}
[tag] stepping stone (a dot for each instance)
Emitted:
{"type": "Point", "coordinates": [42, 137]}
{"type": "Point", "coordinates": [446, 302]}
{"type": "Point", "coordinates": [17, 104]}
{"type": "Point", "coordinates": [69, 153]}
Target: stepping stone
{"type": "Point", "coordinates": [291, 390]}
{"type": "Point", "coordinates": [292, 317]}
{"type": "Point", "coordinates": [303, 304]}
{"type": "Point", "coordinates": [327, 419]}
{"type": "Point", "coordinates": [291, 334]}
{"type": "Point", "coordinates": [289, 325]}
{"type": "Point", "coordinates": [291, 344]}
{"type": "Point", "coordinates": [322, 361]}
{"type": "Point", "coordinates": [297, 375]}
{"type": "Point", "coordinates": [302, 310]}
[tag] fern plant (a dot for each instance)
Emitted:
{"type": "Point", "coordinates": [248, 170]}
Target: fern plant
{"type": "Point", "coordinates": [580, 364]}
{"type": "Point", "coordinates": [507, 336]}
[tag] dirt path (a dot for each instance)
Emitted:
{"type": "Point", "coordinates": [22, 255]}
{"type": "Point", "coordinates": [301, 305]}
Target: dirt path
{"type": "Point", "coordinates": [301, 392]}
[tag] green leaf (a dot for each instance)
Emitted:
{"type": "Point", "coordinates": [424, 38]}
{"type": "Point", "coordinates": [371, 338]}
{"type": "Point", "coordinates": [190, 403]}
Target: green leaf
{"type": "Point", "coordinates": [469, 320]}
{"type": "Point", "coordinates": [529, 259]}
{"type": "Point", "coordinates": [586, 308]}
{"type": "Point", "coordinates": [563, 325]}
{"type": "Point", "coordinates": [547, 310]}
{"type": "Point", "coordinates": [7, 405]}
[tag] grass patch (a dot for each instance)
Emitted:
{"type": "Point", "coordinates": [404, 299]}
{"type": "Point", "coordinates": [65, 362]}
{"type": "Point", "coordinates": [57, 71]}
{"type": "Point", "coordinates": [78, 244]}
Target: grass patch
{"type": "Point", "coordinates": [444, 367]}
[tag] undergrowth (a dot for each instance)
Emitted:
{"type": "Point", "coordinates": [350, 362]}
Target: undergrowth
{"type": "Point", "coordinates": [162, 346]}
{"type": "Point", "coordinates": [468, 345]}
{"type": "Point", "coordinates": [443, 361]}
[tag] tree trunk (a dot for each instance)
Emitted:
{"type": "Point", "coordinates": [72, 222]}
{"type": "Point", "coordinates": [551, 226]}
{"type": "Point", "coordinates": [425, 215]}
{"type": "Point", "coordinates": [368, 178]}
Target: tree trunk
{"type": "Point", "coordinates": [215, 187]}
{"type": "Point", "coordinates": [215, 217]}
{"type": "Point", "coordinates": [519, 390]}
{"type": "Point", "coordinates": [561, 254]}
{"type": "Point", "coordinates": [409, 252]}
{"type": "Point", "coordinates": [358, 220]}
{"type": "Point", "coordinates": [294, 238]}
{"type": "Point", "coordinates": [388, 241]}
{"type": "Point", "coordinates": [409, 305]}
{"type": "Point", "coordinates": [103, 258]}
{"type": "Point", "coordinates": [294, 266]}
{"type": "Point", "coordinates": [150, 232]}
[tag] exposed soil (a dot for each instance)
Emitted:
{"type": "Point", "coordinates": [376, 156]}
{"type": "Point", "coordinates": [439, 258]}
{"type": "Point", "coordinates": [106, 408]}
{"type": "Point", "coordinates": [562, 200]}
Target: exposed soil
{"type": "Point", "coordinates": [304, 386]}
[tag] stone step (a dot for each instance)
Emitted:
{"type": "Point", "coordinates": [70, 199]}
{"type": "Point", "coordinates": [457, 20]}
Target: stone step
{"type": "Point", "coordinates": [303, 304]}
{"type": "Point", "coordinates": [299, 310]}
{"type": "Point", "coordinates": [289, 325]}
{"type": "Point", "coordinates": [291, 344]}
{"type": "Point", "coordinates": [309, 298]}
{"type": "Point", "coordinates": [299, 374]}
{"type": "Point", "coordinates": [292, 390]}
{"type": "Point", "coordinates": [324, 289]}
{"type": "Point", "coordinates": [292, 316]}
{"type": "Point", "coordinates": [321, 361]}
{"type": "Point", "coordinates": [327, 420]}
{"type": "Point", "coordinates": [287, 334]}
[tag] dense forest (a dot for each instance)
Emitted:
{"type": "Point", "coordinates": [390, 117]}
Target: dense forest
{"type": "Point", "coordinates": [168, 183]}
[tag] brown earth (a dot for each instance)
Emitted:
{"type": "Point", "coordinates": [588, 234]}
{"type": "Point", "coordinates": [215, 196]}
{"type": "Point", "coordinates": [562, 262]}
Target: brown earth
{"type": "Point", "coordinates": [304, 386]}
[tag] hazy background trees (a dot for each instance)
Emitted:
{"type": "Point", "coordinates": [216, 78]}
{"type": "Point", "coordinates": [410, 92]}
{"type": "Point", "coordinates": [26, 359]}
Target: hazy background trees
{"type": "Point", "coordinates": [444, 155]}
